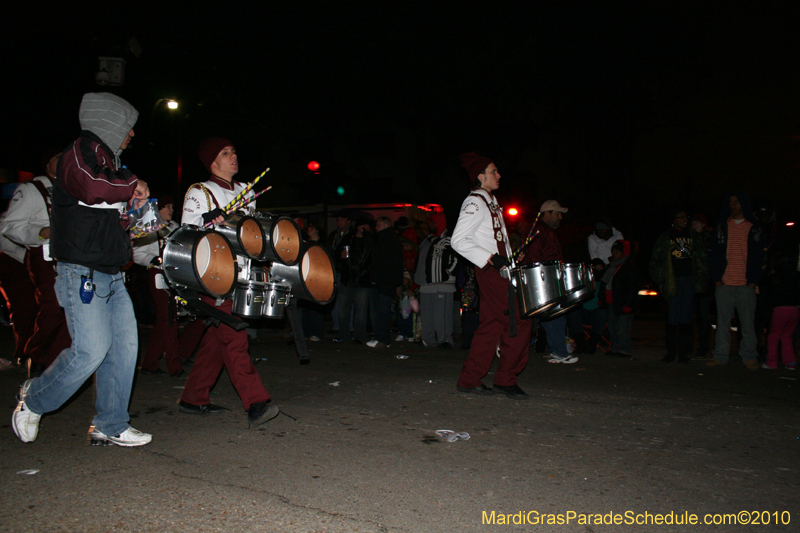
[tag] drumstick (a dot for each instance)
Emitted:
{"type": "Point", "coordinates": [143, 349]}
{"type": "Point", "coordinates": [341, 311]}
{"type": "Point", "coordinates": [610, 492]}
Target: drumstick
{"type": "Point", "coordinates": [232, 208]}
{"type": "Point", "coordinates": [529, 238]}
{"type": "Point", "coordinates": [244, 191]}
{"type": "Point", "coordinates": [244, 201]}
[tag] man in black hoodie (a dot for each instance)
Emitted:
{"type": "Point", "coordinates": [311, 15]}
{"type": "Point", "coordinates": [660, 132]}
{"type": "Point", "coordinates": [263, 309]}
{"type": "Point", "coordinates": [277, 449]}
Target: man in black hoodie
{"type": "Point", "coordinates": [736, 265]}
{"type": "Point", "coordinates": [385, 275]}
{"type": "Point", "coordinates": [90, 241]}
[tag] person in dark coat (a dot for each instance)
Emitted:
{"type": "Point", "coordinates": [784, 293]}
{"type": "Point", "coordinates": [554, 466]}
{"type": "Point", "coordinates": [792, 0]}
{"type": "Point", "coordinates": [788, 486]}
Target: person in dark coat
{"type": "Point", "coordinates": [385, 275]}
{"type": "Point", "coordinates": [619, 290]}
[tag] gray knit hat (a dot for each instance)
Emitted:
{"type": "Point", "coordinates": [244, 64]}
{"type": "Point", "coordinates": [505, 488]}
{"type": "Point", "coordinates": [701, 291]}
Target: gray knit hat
{"type": "Point", "coordinates": [108, 116]}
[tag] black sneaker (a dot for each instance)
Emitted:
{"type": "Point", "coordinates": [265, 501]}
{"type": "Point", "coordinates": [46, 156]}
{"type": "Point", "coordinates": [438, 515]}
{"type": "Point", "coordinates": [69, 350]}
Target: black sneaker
{"type": "Point", "coordinates": [261, 412]}
{"type": "Point", "coordinates": [512, 391]}
{"type": "Point", "coordinates": [207, 409]}
{"type": "Point", "coordinates": [157, 372]}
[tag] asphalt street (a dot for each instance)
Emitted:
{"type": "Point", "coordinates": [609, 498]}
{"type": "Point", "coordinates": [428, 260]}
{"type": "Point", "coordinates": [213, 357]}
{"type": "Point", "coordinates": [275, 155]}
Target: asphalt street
{"type": "Point", "coordinates": [356, 449]}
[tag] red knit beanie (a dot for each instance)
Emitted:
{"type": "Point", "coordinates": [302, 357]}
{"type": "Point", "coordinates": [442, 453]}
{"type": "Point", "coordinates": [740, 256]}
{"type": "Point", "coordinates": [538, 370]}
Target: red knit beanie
{"type": "Point", "coordinates": [210, 149]}
{"type": "Point", "coordinates": [474, 164]}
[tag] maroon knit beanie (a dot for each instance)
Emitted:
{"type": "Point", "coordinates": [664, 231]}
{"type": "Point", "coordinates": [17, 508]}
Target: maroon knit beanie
{"type": "Point", "coordinates": [210, 149]}
{"type": "Point", "coordinates": [475, 164]}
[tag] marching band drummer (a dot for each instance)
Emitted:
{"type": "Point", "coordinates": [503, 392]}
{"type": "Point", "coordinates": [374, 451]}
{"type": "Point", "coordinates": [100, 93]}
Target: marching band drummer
{"type": "Point", "coordinates": [480, 236]}
{"type": "Point", "coordinates": [221, 345]}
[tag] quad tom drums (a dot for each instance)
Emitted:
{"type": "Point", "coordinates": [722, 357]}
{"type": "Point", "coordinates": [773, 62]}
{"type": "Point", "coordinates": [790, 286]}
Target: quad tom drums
{"type": "Point", "coordinates": [199, 259]}
{"type": "Point", "coordinates": [539, 287]}
{"type": "Point", "coordinates": [312, 278]}
{"type": "Point", "coordinates": [578, 288]}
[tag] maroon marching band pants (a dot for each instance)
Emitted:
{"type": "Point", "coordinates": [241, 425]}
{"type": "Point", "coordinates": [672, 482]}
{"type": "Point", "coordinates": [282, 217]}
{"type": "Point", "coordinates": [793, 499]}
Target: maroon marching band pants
{"type": "Point", "coordinates": [222, 345]}
{"type": "Point", "coordinates": [50, 333]}
{"type": "Point", "coordinates": [164, 338]}
{"type": "Point", "coordinates": [493, 327]}
{"type": "Point", "coordinates": [20, 294]}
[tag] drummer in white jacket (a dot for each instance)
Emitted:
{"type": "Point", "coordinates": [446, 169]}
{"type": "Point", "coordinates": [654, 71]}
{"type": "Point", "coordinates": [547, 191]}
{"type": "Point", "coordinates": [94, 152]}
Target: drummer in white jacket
{"type": "Point", "coordinates": [27, 224]}
{"type": "Point", "coordinates": [221, 345]}
{"type": "Point", "coordinates": [480, 236]}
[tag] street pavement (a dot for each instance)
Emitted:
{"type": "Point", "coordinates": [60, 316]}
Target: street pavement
{"type": "Point", "coordinates": [356, 449]}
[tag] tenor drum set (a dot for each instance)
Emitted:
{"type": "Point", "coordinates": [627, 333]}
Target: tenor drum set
{"type": "Point", "coordinates": [259, 261]}
{"type": "Point", "coordinates": [552, 288]}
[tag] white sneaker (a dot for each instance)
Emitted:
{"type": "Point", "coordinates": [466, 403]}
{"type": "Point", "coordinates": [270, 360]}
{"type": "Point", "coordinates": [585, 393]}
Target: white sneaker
{"type": "Point", "coordinates": [314, 338]}
{"type": "Point", "coordinates": [399, 338]}
{"type": "Point", "coordinates": [130, 437]}
{"type": "Point", "coordinates": [24, 421]}
{"type": "Point", "coordinates": [376, 343]}
{"type": "Point", "coordinates": [566, 360]}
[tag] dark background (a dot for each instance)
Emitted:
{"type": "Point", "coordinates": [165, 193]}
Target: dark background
{"type": "Point", "coordinates": [621, 109]}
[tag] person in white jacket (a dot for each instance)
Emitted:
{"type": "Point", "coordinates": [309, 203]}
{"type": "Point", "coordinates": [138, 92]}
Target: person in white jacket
{"type": "Point", "coordinates": [601, 241]}
{"type": "Point", "coordinates": [27, 224]}
{"type": "Point", "coordinates": [164, 337]}
{"type": "Point", "coordinates": [480, 236]}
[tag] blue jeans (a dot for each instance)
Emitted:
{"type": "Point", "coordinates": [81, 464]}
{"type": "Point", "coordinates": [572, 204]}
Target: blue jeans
{"type": "Point", "coordinates": [556, 331]}
{"type": "Point", "coordinates": [380, 312]}
{"type": "Point", "coordinates": [741, 299]}
{"type": "Point", "coordinates": [681, 305]}
{"type": "Point", "coordinates": [357, 300]}
{"type": "Point", "coordinates": [105, 340]}
{"type": "Point", "coordinates": [619, 328]}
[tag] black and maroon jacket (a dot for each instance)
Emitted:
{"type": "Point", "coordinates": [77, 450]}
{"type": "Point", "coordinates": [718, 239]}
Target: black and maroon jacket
{"type": "Point", "coordinates": [88, 194]}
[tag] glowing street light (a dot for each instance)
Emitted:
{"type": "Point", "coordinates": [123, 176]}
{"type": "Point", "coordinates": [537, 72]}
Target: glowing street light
{"type": "Point", "coordinates": [172, 104]}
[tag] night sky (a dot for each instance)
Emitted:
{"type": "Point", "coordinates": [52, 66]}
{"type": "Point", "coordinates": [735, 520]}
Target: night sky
{"type": "Point", "coordinates": [622, 110]}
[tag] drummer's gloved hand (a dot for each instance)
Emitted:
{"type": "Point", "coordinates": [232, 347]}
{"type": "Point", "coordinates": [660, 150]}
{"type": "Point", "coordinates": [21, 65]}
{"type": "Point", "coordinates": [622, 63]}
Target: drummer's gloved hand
{"type": "Point", "coordinates": [211, 215]}
{"type": "Point", "coordinates": [499, 262]}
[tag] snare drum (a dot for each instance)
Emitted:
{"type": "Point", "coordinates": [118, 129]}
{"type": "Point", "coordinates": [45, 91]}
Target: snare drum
{"type": "Point", "coordinates": [199, 259]}
{"type": "Point", "coordinates": [276, 297]}
{"type": "Point", "coordinates": [248, 299]}
{"type": "Point", "coordinates": [539, 286]}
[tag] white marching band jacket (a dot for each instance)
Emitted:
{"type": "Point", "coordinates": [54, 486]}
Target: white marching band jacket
{"type": "Point", "coordinates": [475, 238]}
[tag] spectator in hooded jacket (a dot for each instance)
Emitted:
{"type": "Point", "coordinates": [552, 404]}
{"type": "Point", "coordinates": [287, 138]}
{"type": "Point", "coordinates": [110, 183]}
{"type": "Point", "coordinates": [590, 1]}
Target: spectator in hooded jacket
{"type": "Point", "coordinates": [91, 194]}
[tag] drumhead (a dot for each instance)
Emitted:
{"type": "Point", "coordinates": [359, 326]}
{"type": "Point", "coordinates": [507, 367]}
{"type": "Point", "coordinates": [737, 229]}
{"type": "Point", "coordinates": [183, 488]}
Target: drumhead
{"type": "Point", "coordinates": [251, 237]}
{"type": "Point", "coordinates": [213, 263]}
{"type": "Point", "coordinates": [286, 240]}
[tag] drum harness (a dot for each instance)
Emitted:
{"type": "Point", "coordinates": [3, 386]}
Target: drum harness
{"type": "Point", "coordinates": [512, 289]}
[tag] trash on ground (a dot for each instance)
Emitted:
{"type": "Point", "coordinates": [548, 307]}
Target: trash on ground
{"type": "Point", "coordinates": [335, 384]}
{"type": "Point", "coordinates": [790, 379]}
{"type": "Point", "coordinates": [28, 472]}
{"type": "Point", "coordinates": [402, 357]}
{"type": "Point", "coordinates": [179, 387]}
{"type": "Point", "coordinates": [5, 364]}
{"type": "Point", "coordinates": [434, 381]}
{"type": "Point", "coordinates": [452, 436]}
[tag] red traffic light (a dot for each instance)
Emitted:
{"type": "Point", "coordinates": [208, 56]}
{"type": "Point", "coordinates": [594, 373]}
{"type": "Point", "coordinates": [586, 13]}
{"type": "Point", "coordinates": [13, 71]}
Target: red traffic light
{"type": "Point", "coordinates": [313, 166]}
{"type": "Point", "coordinates": [512, 212]}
